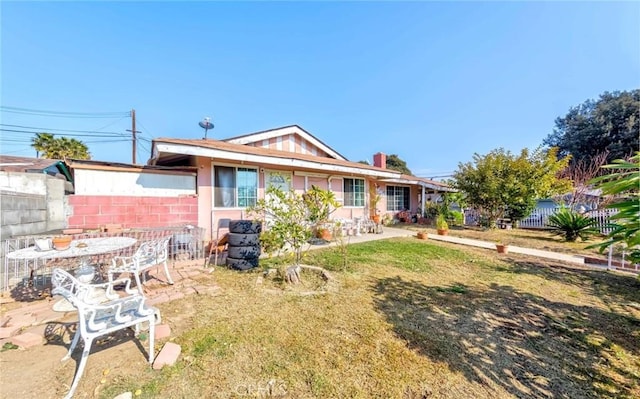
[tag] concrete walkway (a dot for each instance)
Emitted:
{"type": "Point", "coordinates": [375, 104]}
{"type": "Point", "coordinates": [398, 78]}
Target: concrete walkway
{"type": "Point", "coordinates": [512, 248]}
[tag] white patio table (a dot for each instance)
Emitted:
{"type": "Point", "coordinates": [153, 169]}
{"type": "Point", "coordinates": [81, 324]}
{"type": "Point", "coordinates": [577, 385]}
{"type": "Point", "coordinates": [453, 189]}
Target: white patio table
{"type": "Point", "coordinates": [81, 248]}
{"type": "Point", "coordinates": [78, 248]}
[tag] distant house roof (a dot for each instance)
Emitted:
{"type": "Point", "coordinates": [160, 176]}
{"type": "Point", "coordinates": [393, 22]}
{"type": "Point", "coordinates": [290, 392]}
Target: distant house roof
{"type": "Point", "coordinates": [105, 165]}
{"type": "Point", "coordinates": [168, 151]}
{"type": "Point", "coordinates": [52, 167]}
{"type": "Point", "coordinates": [421, 181]}
{"type": "Point", "coordinates": [283, 131]}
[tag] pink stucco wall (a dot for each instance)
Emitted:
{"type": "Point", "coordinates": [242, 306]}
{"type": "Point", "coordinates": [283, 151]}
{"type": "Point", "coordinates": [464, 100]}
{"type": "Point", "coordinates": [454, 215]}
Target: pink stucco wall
{"type": "Point", "coordinates": [93, 211]}
{"type": "Point", "coordinates": [208, 216]}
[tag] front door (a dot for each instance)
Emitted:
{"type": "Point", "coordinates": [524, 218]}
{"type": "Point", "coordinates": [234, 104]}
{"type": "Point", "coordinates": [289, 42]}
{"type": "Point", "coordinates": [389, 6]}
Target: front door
{"type": "Point", "coordinates": [281, 180]}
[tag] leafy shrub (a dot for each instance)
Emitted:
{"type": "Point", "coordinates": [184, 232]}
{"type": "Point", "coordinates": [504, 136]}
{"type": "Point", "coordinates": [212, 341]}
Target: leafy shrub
{"type": "Point", "coordinates": [571, 225]}
{"type": "Point", "coordinates": [456, 218]}
{"type": "Point", "coordinates": [441, 223]}
{"type": "Point", "coordinates": [430, 210]}
{"type": "Point", "coordinates": [485, 222]}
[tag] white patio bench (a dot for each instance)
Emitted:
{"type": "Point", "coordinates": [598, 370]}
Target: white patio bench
{"type": "Point", "coordinates": [149, 254]}
{"type": "Point", "coordinates": [97, 319]}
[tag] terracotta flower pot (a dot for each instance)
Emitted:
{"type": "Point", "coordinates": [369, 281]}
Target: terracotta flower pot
{"type": "Point", "coordinates": [61, 243]}
{"type": "Point", "coordinates": [422, 235]}
{"type": "Point", "coordinates": [443, 232]}
{"type": "Point", "coordinates": [502, 248]}
{"type": "Point", "coordinates": [325, 234]}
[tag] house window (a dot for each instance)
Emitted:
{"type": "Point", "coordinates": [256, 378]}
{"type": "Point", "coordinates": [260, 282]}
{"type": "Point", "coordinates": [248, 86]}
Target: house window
{"type": "Point", "coordinates": [397, 198]}
{"type": "Point", "coordinates": [234, 187]}
{"type": "Point", "coordinates": [353, 192]}
{"type": "Point", "coordinates": [247, 187]}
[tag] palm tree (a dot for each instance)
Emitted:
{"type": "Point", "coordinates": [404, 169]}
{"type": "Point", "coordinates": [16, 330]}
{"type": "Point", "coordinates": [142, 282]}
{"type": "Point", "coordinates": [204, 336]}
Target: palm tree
{"type": "Point", "coordinates": [61, 148]}
{"type": "Point", "coordinates": [41, 142]}
{"type": "Point", "coordinates": [70, 148]}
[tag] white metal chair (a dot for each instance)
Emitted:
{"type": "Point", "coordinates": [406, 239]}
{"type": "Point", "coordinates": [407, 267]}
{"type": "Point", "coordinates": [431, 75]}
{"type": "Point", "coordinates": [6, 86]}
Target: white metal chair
{"type": "Point", "coordinates": [95, 320]}
{"type": "Point", "coordinates": [149, 254]}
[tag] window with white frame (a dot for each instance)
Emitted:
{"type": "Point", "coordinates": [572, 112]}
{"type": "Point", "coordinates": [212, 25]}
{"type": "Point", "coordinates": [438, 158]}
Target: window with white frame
{"type": "Point", "coordinates": [397, 198]}
{"type": "Point", "coordinates": [353, 192]}
{"type": "Point", "coordinates": [234, 187]}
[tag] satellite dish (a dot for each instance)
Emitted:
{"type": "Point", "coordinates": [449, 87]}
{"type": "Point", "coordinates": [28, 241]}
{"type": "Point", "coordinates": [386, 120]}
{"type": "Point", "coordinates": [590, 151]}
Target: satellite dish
{"type": "Point", "coordinates": [206, 124]}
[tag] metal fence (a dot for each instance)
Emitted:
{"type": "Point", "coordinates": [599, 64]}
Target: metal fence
{"type": "Point", "coordinates": [187, 242]}
{"type": "Point", "coordinates": [539, 218]}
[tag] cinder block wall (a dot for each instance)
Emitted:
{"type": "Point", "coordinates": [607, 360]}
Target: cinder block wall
{"type": "Point", "coordinates": [31, 203]}
{"type": "Point", "coordinates": [93, 211]}
{"type": "Point", "coordinates": [23, 214]}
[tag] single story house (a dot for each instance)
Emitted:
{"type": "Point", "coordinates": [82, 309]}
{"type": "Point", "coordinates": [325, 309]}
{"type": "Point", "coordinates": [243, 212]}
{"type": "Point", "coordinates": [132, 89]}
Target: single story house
{"type": "Point", "coordinates": [233, 173]}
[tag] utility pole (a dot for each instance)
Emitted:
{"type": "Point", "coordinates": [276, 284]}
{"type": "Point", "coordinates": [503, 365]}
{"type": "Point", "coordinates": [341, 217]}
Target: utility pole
{"type": "Point", "coordinates": [133, 133]}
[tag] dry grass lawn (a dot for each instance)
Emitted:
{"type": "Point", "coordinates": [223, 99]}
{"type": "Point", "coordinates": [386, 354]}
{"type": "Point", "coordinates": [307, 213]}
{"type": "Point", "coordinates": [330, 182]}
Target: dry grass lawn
{"type": "Point", "coordinates": [407, 319]}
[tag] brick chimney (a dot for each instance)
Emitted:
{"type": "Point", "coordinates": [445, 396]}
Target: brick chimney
{"type": "Point", "coordinates": [380, 160]}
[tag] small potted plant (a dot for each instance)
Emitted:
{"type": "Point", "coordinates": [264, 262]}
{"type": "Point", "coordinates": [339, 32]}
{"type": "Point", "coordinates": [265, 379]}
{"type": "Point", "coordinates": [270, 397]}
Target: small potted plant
{"type": "Point", "coordinates": [502, 248]}
{"type": "Point", "coordinates": [324, 232]}
{"type": "Point", "coordinates": [61, 242]}
{"type": "Point", "coordinates": [320, 204]}
{"type": "Point", "coordinates": [387, 219]}
{"type": "Point", "coordinates": [422, 234]}
{"type": "Point", "coordinates": [442, 226]}
{"type": "Point", "coordinates": [374, 199]}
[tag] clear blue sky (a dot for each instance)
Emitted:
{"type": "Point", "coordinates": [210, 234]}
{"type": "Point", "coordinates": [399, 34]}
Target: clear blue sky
{"type": "Point", "coordinates": [433, 82]}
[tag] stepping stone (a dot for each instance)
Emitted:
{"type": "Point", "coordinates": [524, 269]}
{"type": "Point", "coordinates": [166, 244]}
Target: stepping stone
{"type": "Point", "coordinates": [167, 356]}
{"type": "Point", "coordinates": [27, 340]}
{"type": "Point", "coordinates": [163, 331]}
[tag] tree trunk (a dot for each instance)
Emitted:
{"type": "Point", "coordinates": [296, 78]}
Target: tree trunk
{"type": "Point", "coordinates": [292, 274]}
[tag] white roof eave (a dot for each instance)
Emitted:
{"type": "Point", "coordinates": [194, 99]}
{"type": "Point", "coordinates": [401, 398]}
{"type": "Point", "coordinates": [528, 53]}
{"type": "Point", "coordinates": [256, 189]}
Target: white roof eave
{"type": "Point", "coordinates": [171, 148]}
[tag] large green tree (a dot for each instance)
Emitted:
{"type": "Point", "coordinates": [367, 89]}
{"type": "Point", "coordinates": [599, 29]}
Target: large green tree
{"type": "Point", "coordinates": [395, 163]}
{"type": "Point", "coordinates": [51, 147]}
{"type": "Point", "coordinates": [503, 184]}
{"type": "Point", "coordinates": [611, 124]}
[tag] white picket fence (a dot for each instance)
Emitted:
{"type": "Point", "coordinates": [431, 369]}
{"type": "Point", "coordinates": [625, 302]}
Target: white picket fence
{"type": "Point", "coordinates": [539, 218]}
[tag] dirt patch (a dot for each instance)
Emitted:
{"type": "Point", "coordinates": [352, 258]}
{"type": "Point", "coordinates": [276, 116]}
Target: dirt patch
{"type": "Point", "coordinates": [314, 280]}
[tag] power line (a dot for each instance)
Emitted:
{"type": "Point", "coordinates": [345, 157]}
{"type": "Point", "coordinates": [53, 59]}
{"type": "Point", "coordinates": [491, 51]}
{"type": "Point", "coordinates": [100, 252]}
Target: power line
{"type": "Point", "coordinates": [69, 135]}
{"type": "Point", "coordinates": [146, 149]}
{"type": "Point", "coordinates": [112, 123]}
{"type": "Point", "coordinates": [21, 140]}
{"type": "Point", "coordinates": [44, 129]}
{"type": "Point", "coordinates": [147, 130]}
{"type": "Point", "coordinates": [106, 141]}
{"type": "Point", "coordinates": [9, 140]}
{"type": "Point", "coordinates": [444, 174]}
{"type": "Point", "coordinates": [23, 149]}
{"type": "Point", "coordinates": [16, 133]}
{"type": "Point", "coordinates": [62, 114]}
